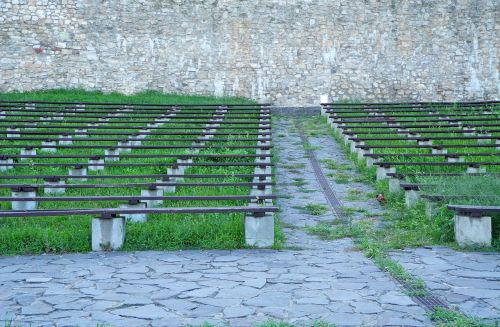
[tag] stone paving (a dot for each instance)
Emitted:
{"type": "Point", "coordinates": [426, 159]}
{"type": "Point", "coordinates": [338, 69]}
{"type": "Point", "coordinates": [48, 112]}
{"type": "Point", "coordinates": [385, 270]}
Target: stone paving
{"type": "Point", "coordinates": [468, 281]}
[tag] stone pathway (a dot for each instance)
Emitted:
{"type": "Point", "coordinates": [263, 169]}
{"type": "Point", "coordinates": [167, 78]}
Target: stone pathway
{"type": "Point", "coordinates": [310, 280]}
{"type": "Point", "coordinates": [468, 281]}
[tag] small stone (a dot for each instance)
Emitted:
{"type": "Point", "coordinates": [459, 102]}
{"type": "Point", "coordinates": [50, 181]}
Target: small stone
{"type": "Point", "coordinates": [150, 311]}
{"type": "Point", "coordinates": [237, 312]}
{"type": "Point", "coordinates": [38, 280]}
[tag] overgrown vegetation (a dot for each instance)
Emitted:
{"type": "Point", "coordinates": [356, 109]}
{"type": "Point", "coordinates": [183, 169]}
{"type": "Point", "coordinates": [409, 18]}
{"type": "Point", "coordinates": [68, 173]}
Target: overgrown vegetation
{"type": "Point", "coordinates": [412, 227]}
{"type": "Point", "coordinates": [450, 318]}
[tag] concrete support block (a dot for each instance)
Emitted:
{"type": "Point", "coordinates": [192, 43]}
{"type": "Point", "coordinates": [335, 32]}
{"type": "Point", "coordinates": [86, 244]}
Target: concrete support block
{"type": "Point", "coordinates": [49, 146]}
{"type": "Point", "coordinates": [30, 126]}
{"type": "Point", "coordinates": [263, 143]}
{"type": "Point", "coordinates": [11, 132]}
{"type": "Point", "coordinates": [439, 151]}
{"type": "Point", "coordinates": [45, 118]}
{"type": "Point", "coordinates": [497, 143]}
{"type": "Point", "coordinates": [81, 130]}
{"type": "Point", "coordinates": [411, 198]}
{"type": "Point", "coordinates": [23, 192]}
{"type": "Point", "coordinates": [29, 106]}
{"type": "Point", "coordinates": [259, 231]}
{"type": "Point", "coordinates": [363, 152]}
{"type": "Point", "coordinates": [93, 125]}
{"type": "Point", "coordinates": [28, 151]}
{"type": "Point", "coordinates": [383, 171]}
{"type": "Point", "coordinates": [424, 142]}
{"type": "Point", "coordinates": [65, 139]}
{"type": "Point", "coordinates": [484, 141]}
{"type": "Point", "coordinates": [182, 168]}
{"type": "Point", "coordinates": [144, 132]}
{"type": "Point", "coordinates": [475, 169]}
{"type": "Point", "coordinates": [153, 190]}
{"type": "Point", "coordinates": [112, 154]}
{"type": "Point", "coordinates": [78, 170]}
{"type": "Point", "coordinates": [394, 185]}
{"type": "Point", "coordinates": [455, 159]}
{"type": "Point", "coordinates": [54, 181]}
{"type": "Point", "coordinates": [134, 217]}
{"type": "Point", "coordinates": [108, 233]}
{"type": "Point", "coordinates": [472, 231]}
{"type": "Point", "coordinates": [2, 114]}
{"type": "Point", "coordinates": [354, 146]}
{"type": "Point", "coordinates": [57, 117]}
{"type": "Point", "coordinates": [431, 209]}
{"type": "Point", "coordinates": [263, 170]}
{"type": "Point", "coordinates": [125, 146]}
{"type": "Point", "coordinates": [166, 188]}
{"type": "Point", "coordinates": [370, 161]}
{"type": "Point", "coordinates": [96, 163]}
{"type": "Point", "coordinates": [6, 163]}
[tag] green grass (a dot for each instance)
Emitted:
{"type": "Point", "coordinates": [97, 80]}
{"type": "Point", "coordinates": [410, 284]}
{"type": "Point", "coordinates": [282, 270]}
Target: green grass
{"type": "Point", "coordinates": [333, 165]}
{"type": "Point", "coordinates": [450, 318]}
{"type": "Point", "coordinates": [162, 231]}
{"type": "Point", "coordinates": [75, 95]}
{"type": "Point", "coordinates": [315, 209]}
{"type": "Point", "coordinates": [340, 178]}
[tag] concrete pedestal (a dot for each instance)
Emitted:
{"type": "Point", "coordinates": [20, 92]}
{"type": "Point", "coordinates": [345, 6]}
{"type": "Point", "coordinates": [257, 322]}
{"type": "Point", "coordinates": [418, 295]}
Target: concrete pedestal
{"type": "Point", "coordinates": [78, 171]}
{"type": "Point", "coordinates": [455, 159]}
{"type": "Point", "coordinates": [424, 142]}
{"type": "Point", "coordinates": [10, 133]}
{"type": "Point", "coordinates": [23, 192]}
{"type": "Point", "coordinates": [165, 189]}
{"type": "Point", "coordinates": [96, 163]}
{"type": "Point", "coordinates": [6, 163]}
{"type": "Point", "coordinates": [81, 130]}
{"type": "Point", "coordinates": [28, 152]}
{"type": "Point", "coordinates": [475, 170]}
{"type": "Point", "coordinates": [484, 141]}
{"type": "Point", "coordinates": [108, 233]}
{"type": "Point", "coordinates": [152, 191]}
{"type": "Point", "coordinates": [54, 190]}
{"type": "Point", "coordinates": [472, 231]}
{"type": "Point", "coordinates": [112, 152]}
{"type": "Point", "coordinates": [2, 115]}
{"type": "Point", "coordinates": [439, 151]}
{"type": "Point", "coordinates": [134, 217]}
{"type": "Point", "coordinates": [394, 185]}
{"type": "Point", "coordinates": [125, 146]}
{"type": "Point", "coordinates": [49, 146]}
{"type": "Point", "coordinates": [66, 139]}
{"type": "Point", "coordinates": [383, 171]}
{"type": "Point", "coordinates": [363, 152]}
{"type": "Point", "coordinates": [259, 231]}
{"type": "Point", "coordinates": [411, 198]}
{"type": "Point", "coordinates": [370, 161]}
{"type": "Point", "coordinates": [431, 209]}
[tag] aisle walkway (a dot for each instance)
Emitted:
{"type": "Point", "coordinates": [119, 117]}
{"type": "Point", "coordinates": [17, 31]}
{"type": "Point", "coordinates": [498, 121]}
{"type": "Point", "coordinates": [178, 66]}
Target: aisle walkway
{"type": "Point", "coordinates": [311, 280]}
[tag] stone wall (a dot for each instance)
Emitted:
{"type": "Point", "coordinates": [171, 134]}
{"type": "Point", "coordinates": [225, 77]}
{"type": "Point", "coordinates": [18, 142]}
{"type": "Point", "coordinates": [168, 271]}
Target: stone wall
{"type": "Point", "coordinates": [283, 51]}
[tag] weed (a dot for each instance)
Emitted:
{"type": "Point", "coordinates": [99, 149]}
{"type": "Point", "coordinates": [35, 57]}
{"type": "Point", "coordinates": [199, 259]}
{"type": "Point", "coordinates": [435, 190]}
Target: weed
{"type": "Point", "coordinates": [315, 209]}
{"type": "Point", "coordinates": [449, 318]}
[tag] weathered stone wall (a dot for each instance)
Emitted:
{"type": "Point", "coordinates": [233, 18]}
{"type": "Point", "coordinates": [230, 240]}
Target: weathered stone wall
{"type": "Point", "coordinates": [287, 52]}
